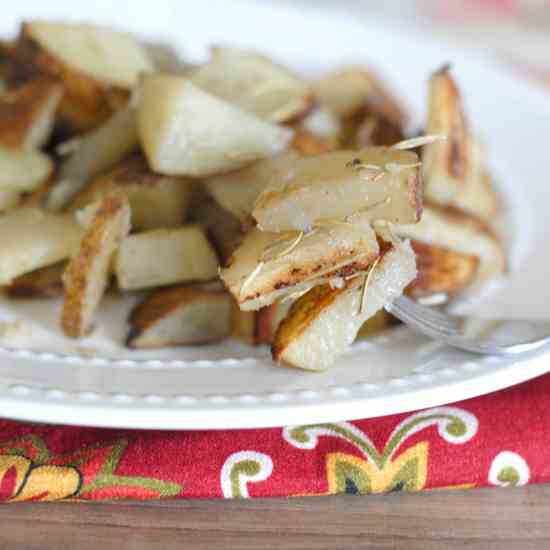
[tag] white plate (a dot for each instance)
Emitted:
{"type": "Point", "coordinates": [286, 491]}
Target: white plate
{"type": "Point", "coordinates": [234, 386]}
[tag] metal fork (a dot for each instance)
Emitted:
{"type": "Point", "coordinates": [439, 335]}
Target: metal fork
{"type": "Point", "coordinates": [503, 337]}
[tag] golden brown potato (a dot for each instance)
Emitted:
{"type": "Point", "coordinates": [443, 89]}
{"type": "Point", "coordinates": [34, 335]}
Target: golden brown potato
{"type": "Point", "coordinates": [459, 232]}
{"type": "Point", "coordinates": [165, 256]}
{"type": "Point", "coordinates": [6, 55]}
{"type": "Point", "coordinates": [31, 238]}
{"type": "Point", "coordinates": [323, 323]}
{"type": "Point", "coordinates": [189, 132]}
{"type": "Point", "coordinates": [353, 90]}
{"type": "Point", "coordinates": [455, 172]}
{"type": "Point", "coordinates": [180, 316]}
{"type": "Point", "coordinates": [156, 201]}
{"type": "Point", "coordinates": [87, 275]}
{"type": "Point", "coordinates": [441, 270]}
{"type": "Point", "coordinates": [380, 183]}
{"type": "Point", "coordinates": [269, 266]}
{"type": "Point", "coordinates": [268, 320]}
{"type": "Point", "coordinates": [41, 283]}
{"type": "Point", "coordinates": [95, 152]}
{"type": "Point", "coordinates": [27, 113]}
{"type": "Point", "coordinates": [308, 144]}
{"type": "Point", "coordinates": [255, 84]}
{"type": "Point", "coordinates": [97, 67]}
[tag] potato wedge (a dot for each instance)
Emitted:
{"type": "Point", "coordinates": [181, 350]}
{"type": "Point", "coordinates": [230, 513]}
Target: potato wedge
{"type": "Point", "coordinates": [223, 229]}
{"type": "Point", "coordinates": [323, 323]}
{"type": "Point", "coordinates": [180, 316]}
{"type": "Point", "coordinates": [254, 84]}
{"type": "Point", "coordinates": [238, 191]}
{"type": "Point", "coordinates": [31, 238]}
{"type": "Point", "coordinates": [42, 283]}
{"type": "Point", "coordinates": [23, 171]}
{"type": "Point", "coordinates": [268, 320]}
{"type": "Point", "coordinates": [187, 131]}
{"type": "Point", "coordinates": [441, 270]}
{"type": "Point", "coordinates": [381, 183]}
{"type": "Point", "coordinates": [87, 275]}
{"type": "Point", "coordinates": [155, 201]}
{"type": "Point", "coordinates": [27, 114]}
{"type": "Point", "coordinates": [269, 266]}
{"type": "Point", "coordinates": [96, 152]}
{"type": "Point", "coordinates": [97, 66]}
{"type": "Point", "coordinates": [164, 257]}
{"type": "Point", "coordinates": [6, 56]}
{"type": "Point", "coordinates": [356, 90]}
{"type": "Point", "coordinates": [243, 324]}
{"type": "Point", "coordinates": [459, 232]}
{"type": "Point", "coordinates": [454, 170]}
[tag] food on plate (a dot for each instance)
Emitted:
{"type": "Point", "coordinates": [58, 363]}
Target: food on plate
{"type": "Point", "coordinates": [180, 316]}
{"type": "Point", "coordinates": [441, 270]}
{"type": "Point", "coordinates": [380, 183]}
{"type": "Point", "coordinates": [189, 132]}
{"type": "Point", "coordinates": [255, 84]}
{"type": "Point", "coordinates": [31, 238]}
{"type": "Point", "coordinates": [247, 200]}
{"type": "Point", "coordinates": [223, 229]}
{"type": "Point", "coordinates": [94, 153]}
{"type": "Point", "coordinates": [156, 201]}
{"type": "Point", "coordinates": [87, 275]}
{"type": "Point", "coordinates": [323, 323]}
{"type": "Point", "coordinates": [237, 191]}
{"type": "Point", "coordinates": [461, 233]}
{"type": "Point", "coordinates": [165, 256]}
{"type": "Point", "coordinates": [369, 113]}
{"type": "Point", "coordinates": [455, 171]}
{"type": "Point", "coordinates": [22, 173]}
{"type": "Point", "coordinates": [27, 113]}
{"type": "Point", "coordinates": [270, 266]}
{"type": "Point", "coordinates": [45, 282]}
{"type": "Point", "coordinates": [96, 65]}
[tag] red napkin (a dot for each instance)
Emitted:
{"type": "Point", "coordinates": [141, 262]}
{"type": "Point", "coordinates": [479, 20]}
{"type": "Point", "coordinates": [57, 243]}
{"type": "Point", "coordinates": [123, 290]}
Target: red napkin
{"type": "Point", "coordinates": [501, 439]}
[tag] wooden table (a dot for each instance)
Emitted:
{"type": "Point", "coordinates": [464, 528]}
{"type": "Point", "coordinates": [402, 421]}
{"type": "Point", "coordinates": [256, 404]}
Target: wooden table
{"type": "Point", "coordinates": [503, 519]}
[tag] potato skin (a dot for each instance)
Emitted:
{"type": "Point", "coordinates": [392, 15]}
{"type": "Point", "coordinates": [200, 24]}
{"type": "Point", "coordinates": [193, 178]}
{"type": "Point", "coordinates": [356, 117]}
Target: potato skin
{"type": "Point", "coordinates": [41, 283]}
{"type": "Point", "coordinates": [86, 102]}
{"type": "Point", "coordinates": [441, 270]}
{"type": "Point", "coordinates": [111, 223]}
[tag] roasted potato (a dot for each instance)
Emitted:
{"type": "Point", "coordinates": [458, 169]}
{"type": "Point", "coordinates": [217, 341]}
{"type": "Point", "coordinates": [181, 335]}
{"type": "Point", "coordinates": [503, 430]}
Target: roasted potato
{"type": "Point", "coordinates": [23, 171]}
{"type": "Point", "coordinates": [254, 84]}
{"type": "Point", "coordinates": [323, 323]}
{"type": "Point", "coordinates": [237, 191]}
{"type": "Point", "coordinates": [308, 144]}
{"type": "Point", "coordinates": [164, 257]}
{"type": "Point", "coordinates": [268, 320]}
{"type": "Point", "coordinates": [156, 201]}
{"type": "Point", "coordinates": [379, 183]}
{"type": "Point", "coordinates": [269, 266]}
{"type": "Point", "coordinates": [9, 199]}
{"type": "Point", "coordinates": [356, 90]}
{"type": "Point", "coordinates": [459, 232]}
{"type": "Point", "coordinates": [180, 316]}
{"type": "Point", "coordinates": [454, 170]}
{"type": "Point", "coordinates": [45, 282]}
{"type": "Point", "coordinates": [187, 131]}
{"type": "Point", "coordinates": [223, 229]}
{"type": "Point", "coordinates": [87, 275]}
{"type": "Point", "coordinates": [323, 122]}
{"type": "Point", "coordinates": [441, 270]}
{"type": "Point", "coordinates": [27, 114]}
{"type": "Point", "coordinates": [97, 66]}
{"type": "Point", "coordinates": [95, 153]}
{"type": "Point", "coordinates": [31, 238]}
